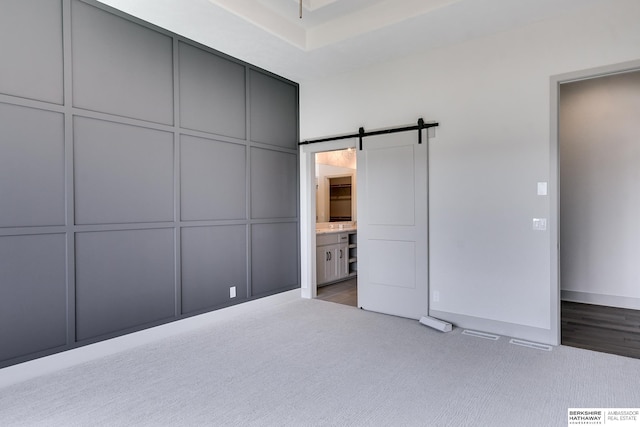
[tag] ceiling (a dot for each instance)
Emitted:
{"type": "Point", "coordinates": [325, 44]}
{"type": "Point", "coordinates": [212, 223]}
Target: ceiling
{"type": "Point", "coordinates": [336, 36]}
{"type": "Point", "coordinates": [326, 22]}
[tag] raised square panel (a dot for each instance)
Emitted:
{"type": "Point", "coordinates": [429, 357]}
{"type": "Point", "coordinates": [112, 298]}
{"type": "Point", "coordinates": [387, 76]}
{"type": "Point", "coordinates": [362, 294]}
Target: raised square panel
{"type": "Point", "coordinates": [274, 184]}
{"type": "Point", "coordinates": [274, 111]}
{"type": "Point", "coordinates": [212, 93]}
{"type": "Point", "coordinates": [123, 173]}
{"type": "Point", "coordinates": [213, 180]}
{"type": "Point", "coordinates": [31, 167]}
{"type": "Point", "coordinates": [120, 67]}
{"type": "Point", "coordinates": [393, 263]}
{"type": "Point", "coordinates": [33, 294]}
{"type": "Point", "coordinates": [31, 46]}
{"type": "Point", "coordinates": [274, 257]}
{"type": "Point", "coordinates": [124, 279]}
{"type": "Point", "coordinates": [391, 194]}
{"type": "Point", "coordinates": [214, 259]}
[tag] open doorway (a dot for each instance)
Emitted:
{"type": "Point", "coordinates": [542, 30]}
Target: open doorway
{"type": "Point", "coordinates": [336, 226]}
{"type": "Point", "coordinates": [308, 211]}
{"type": "Point", "coordinates": [599, 182]}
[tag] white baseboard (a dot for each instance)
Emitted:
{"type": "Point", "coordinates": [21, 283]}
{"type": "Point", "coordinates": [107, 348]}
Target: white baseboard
{"type": "Point", "coordinates": [529, 333]}
{"type": "Point", "coordinates": [49, 364]}
{"type": "Point", "coordinates": [600, 299]}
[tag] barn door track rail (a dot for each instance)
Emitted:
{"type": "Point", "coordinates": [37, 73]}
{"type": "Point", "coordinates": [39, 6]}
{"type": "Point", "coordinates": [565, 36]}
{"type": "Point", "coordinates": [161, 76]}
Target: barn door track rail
{"type": "Point", "coordinates": [362, 133]}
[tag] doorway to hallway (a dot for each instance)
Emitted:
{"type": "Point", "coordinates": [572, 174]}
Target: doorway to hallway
{"type": "Point", "coordinates": [599, 153]}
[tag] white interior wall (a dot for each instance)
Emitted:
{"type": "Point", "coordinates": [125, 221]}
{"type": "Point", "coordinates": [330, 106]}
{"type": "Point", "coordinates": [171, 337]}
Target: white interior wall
{"type": "Point", "coordinates": [491, 97]}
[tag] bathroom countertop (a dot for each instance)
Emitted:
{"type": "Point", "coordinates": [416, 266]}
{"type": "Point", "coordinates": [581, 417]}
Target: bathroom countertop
{"type": "Point", "coordinates": [335, 230]}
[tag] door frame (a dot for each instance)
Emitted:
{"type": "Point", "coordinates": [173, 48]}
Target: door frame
{"type": "Point", "coordinates": [554, 175]}
{"type": "Point", "coordinates": [308, 277]}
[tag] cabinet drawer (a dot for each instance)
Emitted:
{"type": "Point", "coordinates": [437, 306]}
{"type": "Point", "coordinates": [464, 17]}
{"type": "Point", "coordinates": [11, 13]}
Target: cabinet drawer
{"type": "Point", "coordinates": [331, 238]}
{"type": "Point", "coordinates": [327, 239]}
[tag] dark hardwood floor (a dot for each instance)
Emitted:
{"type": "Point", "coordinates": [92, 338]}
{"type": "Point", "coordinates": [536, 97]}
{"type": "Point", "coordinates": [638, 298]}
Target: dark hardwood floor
{"type": "Point", "coordinates": [606, 329]}
{"type": "Point", "coordinates": [345, 292]}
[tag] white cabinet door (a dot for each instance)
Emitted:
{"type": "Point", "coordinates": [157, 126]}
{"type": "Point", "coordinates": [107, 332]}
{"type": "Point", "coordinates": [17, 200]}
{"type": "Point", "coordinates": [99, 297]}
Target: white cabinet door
{"type": "Point", "coordinates": [342, 260]}
{"type": "Point", "coordinates": [327, 264]}
{"type": "Point", "coordinates": [321, 265]}
{"type": "Point", "coordinates": [342, 256]}
{"type": "Point", "coordinates": [332, 260]}
{"type": "Point", "coordinates": [333, 268]}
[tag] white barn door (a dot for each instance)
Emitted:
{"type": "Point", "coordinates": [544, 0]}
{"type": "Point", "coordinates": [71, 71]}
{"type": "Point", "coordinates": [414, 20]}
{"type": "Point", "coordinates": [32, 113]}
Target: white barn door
{"type": "Point", "coordinates": [393, 225]}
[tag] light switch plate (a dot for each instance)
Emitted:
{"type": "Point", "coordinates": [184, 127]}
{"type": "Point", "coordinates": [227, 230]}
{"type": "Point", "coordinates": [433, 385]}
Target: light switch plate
{"type": "Point", "coordinates": [436, 296]}
{"type": "Point", "coordinates": [540, 224]}
{"type": "Point", "coordinates": [232, 292]}
{"type": "Point", "coordinates": [542, 188]}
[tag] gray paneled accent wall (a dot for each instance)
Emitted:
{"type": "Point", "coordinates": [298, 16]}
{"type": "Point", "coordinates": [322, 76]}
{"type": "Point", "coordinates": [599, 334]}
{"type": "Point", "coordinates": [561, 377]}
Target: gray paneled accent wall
{"type": "Point", "coordinates": [31, 167]}
{"type": "Point", "coordinates": [273, 101]}
{"type": "Point", "coordinates": [142, 177]}
{"type": "Point", "coordinates": [33, 297]}
{"type": "Point", "coordinates": [31, 34]}
{"type": "Point", "coordinates": [212, 171]}
{"type": "Point", "coordinates": [273, 170]}
{"type": "Point", "coordinates": [120, 67]}
{"type": "Point", "coordinates": [212, 93]}
{"type": "Point", "coordinates": [124, 279]}
{"type": "Point", "coordinates": [272, 247]}
{"type": "Point", "coordinates": [213, 255]}
{"type": "Point", "coordinates": [122, 173]}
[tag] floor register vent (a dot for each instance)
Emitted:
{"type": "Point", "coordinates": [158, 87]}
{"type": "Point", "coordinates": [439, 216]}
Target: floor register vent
{"type": "Point", "coordinates": [481, 335]}
{"type": "Point", "coordinates": [530, 344]}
